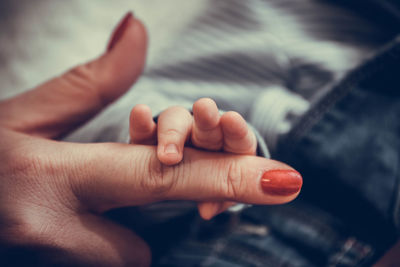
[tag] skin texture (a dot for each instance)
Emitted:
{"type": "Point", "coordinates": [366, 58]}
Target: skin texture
{"type": "Point", "coordinates": [206, 129]}
{"type": "Point", "coordinates": [53, 194]}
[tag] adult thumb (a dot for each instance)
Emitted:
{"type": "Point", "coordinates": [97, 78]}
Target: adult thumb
{"type": "Point", "coordinates": [61, 104]}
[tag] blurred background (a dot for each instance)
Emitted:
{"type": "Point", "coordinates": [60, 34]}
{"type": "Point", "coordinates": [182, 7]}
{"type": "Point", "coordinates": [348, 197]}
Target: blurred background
{"type": "Point", "coordinates": [284, 54]}
{"type": "Point", "coordinates": [41, 39]}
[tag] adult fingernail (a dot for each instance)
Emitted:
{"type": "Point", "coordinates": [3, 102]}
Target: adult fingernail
{"type": "Point", "coordinates": [171, 149]}
{"type": "Point", "coordinates": [281, 182]}
{"type": "Point", "coordinates": [119, 31]}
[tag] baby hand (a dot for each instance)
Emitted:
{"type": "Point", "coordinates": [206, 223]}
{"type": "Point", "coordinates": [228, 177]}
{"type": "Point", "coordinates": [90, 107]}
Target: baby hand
{"type": "Point", "coordinates": [206, 129]}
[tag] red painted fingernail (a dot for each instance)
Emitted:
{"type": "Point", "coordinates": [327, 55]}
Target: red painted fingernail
{"type": "Point", "coordinates": [281, 182]}
{"type": "Point", "coordinates": [119, 31]}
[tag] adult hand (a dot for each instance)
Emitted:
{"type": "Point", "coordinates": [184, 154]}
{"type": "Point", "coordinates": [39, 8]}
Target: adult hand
{"type": "Point", "coordinates": [52, 193]}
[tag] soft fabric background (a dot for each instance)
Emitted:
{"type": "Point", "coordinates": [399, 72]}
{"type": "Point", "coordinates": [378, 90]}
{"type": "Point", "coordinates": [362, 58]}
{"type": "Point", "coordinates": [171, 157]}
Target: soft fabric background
{"type": "Point", "coordinates": [42, 38]}
{"type": "Point", "coordinates": [266, 59]}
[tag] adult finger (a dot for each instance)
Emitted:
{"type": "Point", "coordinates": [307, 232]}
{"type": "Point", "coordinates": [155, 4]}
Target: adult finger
{"type": "Point", "coordinates": [238, 138]}
{"type": "Point", "coordinates": [113, 175]}
{"type": "Point", "coordinates": [142, 129]}
{"type": "Point", "coordinates": [42, 218]}
{"type": "Point", "coordinates": [206, 131]}
{"type": "Point", "coordinates": [173, 129]}
{"type": "Point", "coordinates": [59, 105]}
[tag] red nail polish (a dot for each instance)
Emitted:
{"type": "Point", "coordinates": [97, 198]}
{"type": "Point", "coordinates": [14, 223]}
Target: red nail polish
{"type": "Point", "coordinates": [119, 31]}
{"type": "Point", "coordinates": [281, 182]}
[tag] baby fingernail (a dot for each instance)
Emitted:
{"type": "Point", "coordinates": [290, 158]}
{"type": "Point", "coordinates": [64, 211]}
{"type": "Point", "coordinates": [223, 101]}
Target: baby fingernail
{"type": "Point", "coordinates": [171, 149]}
{"type": "Point", "coordinates": [281, 182]}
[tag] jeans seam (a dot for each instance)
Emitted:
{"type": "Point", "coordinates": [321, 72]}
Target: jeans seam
{"type": "Point", "coordinates": [343, 88]}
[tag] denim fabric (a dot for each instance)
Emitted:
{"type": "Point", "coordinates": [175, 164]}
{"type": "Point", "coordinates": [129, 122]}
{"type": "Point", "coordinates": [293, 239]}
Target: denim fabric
{"type": "Point", "coordinates": [297, 234]}
{"type": "Point", "coordinates": [357, 140]}
{"type": "Point", "coordinates": [347, 148]}
{"type": "Point", "coordinates": [348, 214]}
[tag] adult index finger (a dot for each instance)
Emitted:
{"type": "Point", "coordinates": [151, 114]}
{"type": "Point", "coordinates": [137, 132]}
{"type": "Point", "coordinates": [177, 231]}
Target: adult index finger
{"type": "Point", "coordinates": [115, 175]}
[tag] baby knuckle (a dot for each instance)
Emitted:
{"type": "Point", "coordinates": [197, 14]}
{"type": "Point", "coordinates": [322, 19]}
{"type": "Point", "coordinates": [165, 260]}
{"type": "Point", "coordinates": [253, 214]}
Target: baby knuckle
{"type": "Point", "coordinates": [173, 132]}
{"type": "Point", "coordinates": [206, 141]}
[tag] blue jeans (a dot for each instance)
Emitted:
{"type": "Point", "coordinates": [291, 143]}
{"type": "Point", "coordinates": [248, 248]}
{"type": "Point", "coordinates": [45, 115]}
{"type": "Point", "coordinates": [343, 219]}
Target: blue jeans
{"type": "Point", "coordinates": [347, 148]}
